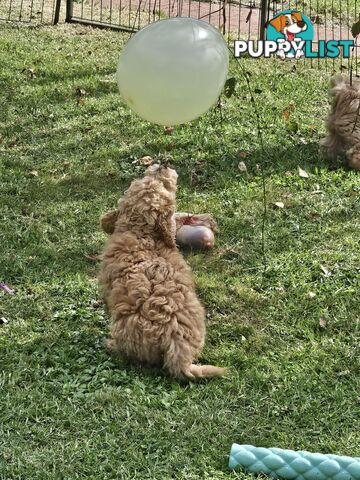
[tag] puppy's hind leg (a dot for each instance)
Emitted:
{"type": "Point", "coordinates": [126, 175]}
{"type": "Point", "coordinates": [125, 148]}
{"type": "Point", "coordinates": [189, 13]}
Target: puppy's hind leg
{"type": "Point", "coordinates": [178, 360]}
{"type": "Point", "coordinates": [353, 156]}
{"type": "Point", "coordinates": [331, 145]}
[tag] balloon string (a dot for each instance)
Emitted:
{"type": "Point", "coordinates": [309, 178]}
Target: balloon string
{"type": "Point", "coordinates": [262, 171]}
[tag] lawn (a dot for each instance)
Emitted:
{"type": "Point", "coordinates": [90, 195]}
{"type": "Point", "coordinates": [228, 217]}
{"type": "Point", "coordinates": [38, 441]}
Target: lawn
{"type": "Point", "coordinates": [68, 149]}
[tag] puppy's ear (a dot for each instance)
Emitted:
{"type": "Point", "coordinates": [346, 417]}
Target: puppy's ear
{"type": "Point", "coordinates": [277, 23]}
{"type": "Point", "coordinates": [165, 226]}
{"type": "Point", "coordinates": [108, 220]}
{"type": "Point", "coordinates": [297, 15]}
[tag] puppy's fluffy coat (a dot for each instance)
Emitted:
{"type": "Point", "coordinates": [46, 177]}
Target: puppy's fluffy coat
{"type": "Point", "coordinates": [156, 316]}
{"type": "Point", "coordinates": [343, 123]}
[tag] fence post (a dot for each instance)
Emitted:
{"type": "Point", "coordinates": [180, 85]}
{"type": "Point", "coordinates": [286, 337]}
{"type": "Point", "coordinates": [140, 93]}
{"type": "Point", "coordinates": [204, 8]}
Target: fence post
{"type": "Point", "coordinates": [69, 10]}
{"type": "Point", "coordinates": [57, 12]}
{"type": "Point", "coordinates": [263, 18]}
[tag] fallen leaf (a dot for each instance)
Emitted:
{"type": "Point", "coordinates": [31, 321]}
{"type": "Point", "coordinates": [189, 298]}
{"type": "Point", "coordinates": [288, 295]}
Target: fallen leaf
{"type": "Point", "coordinates": [34, 173]}
{"type": "Point", "coordinates": [303, 174]}
{"type": "Point", "coordinates": [279, 204]}
{"type": "Point", "coordinates": [286, 114]}
{"type": "Point", "coordinates": [280, 289]}
{"type": "Point", "coordinates": [81, 92]}
{"type": "Point", "coordinates": [288, 174]}
{"type": "Point", "coordinates": [322, 323]}
{"type": "Point", "coordinates": [242, 167]}
{"type": "Point", "coordinates": [287, 195]}
{"type": "Point", "coordinates": [311, 295]}
{"type": "Point", "coordinates": [3, 320]}
{"type": "Point", "coordinates": [243, 154]}
{"type": "Point", "coordinates": [31, 71]}
{"type": "Point", "coordinates": [147, 160]}
{"type": "Point", "coordinates": [326, 272]}
{"type": "Point", "coordinates": [168, 130]}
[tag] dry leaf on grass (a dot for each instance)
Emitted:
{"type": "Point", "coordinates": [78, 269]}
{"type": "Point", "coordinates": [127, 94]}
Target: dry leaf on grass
{"type": "Point", "coordinates": [30, 71]}
{"type": "Point", "coordinates": [303, 174]}
{"type": "Point", "coordinates": [322, 323]}
{"type": "Point", "coordinates": [279, 204]}
{"type": "Point", "coordinates": [311, 295]}
{"type": "Point", "coordinates": [317, 189]}
{"type": "Point", "coordinates": [286, 114]}
{"type": "Point", "coordinates": [325, 271]}
{"type": "Point", "coordinates": [34, 173]}
{"type": "Point", "coordinates": [242, 167]}
{"type": "Point", "coordinates": [168, 130]}
{"type": "Point", "coordinates": [81, 92]}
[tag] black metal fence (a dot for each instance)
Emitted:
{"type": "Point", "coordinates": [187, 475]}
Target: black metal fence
{"type": "Point", "coordinates": [30, 11]}
{"type": "Point", "coordinates": [238, 19]}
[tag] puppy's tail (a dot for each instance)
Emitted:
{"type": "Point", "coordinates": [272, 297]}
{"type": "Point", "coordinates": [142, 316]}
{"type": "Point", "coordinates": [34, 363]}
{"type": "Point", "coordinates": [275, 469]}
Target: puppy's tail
{"type": "Point", "coordinates": [178, 360]}
{"type": "Point", "coordinates": [203, 371]}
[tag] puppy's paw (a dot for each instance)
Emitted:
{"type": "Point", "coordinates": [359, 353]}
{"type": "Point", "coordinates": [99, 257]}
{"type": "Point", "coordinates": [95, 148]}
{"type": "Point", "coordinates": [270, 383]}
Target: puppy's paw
{"type": "Point", "coordinates": [353, 156]}
{"type": "Point", "coordinates": [108, 220]}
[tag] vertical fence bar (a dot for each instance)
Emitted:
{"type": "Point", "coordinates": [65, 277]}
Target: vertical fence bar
{"type": "Point", "coordinates": [356, 44]}
{"type": "Point", "coordinates": [263, 18]}
{"type": "Point", "coordinates": [69, 10]}
{"type": "Point", "coordinates": [57, 12]}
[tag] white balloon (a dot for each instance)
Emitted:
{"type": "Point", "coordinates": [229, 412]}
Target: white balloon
{"type": "Point", "coordinates": [172, 71]}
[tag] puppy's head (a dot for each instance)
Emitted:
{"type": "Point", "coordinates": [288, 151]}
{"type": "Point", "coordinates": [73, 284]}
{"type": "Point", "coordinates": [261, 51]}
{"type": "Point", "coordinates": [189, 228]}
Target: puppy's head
{"type": "Point", "coordinates": [147, 206]}
{"type": "Point", "coordinates": [166, 175]}
{"type": "Point", "coordinates": [289, 24]}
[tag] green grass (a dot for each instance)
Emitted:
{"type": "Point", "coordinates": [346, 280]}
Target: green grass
{"type": "Point", "coordinates": [69, 411]}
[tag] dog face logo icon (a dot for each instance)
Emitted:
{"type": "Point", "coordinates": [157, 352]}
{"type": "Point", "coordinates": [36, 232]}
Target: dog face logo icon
{"type": "Point", "coordinates": [290, 26]}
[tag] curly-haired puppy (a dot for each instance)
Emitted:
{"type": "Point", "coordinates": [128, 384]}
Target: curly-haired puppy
{"type": "Point", "coordinates": [156, 316]}
{"type": "Point", "coordinates": [343, 123]}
